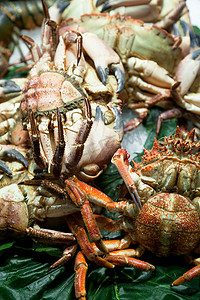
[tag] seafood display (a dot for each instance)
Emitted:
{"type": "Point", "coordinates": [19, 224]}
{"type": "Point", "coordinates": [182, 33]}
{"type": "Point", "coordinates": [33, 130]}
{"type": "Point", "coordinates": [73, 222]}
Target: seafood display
{"type": "Point", "coordinates": [62, 125]}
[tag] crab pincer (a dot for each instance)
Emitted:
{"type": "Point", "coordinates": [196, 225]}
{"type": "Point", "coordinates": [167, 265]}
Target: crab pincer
{"type": "Point", "coordinates": [104, 57]}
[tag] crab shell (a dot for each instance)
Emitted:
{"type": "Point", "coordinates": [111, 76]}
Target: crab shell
{"type": "Point", "coordinates": [13, 211]}
{"type": "Point", "coordinates": [168, 224]}
{"type": "Point", "coordinates": [52, 90]}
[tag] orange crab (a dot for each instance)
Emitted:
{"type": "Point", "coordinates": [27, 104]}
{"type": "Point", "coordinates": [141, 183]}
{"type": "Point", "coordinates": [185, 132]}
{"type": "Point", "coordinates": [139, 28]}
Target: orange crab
{"type": "Point", "coordinates": [165, 188]}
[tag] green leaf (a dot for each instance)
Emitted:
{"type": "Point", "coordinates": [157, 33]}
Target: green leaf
{"type": "Point", "coordinates": [14, 72]}
{"type": "Point", "coordinates": [196, 29]}
{"type": "Point", "coordinates": [6, 246]}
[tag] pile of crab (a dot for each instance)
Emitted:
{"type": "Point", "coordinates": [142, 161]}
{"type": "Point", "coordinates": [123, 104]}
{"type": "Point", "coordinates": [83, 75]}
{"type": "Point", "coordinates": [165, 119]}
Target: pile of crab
{"type": "Point", "coordinates": [62, 125]}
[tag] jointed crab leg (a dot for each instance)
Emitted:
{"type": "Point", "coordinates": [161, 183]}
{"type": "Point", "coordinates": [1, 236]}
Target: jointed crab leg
{"type": "Point", "coordinates": [187, 276]}
{"type": "Point", "coordinates": [99, 198]}
{"type": "Point", "coordinates": [34, 48]}
{"type": "Point", "coordinates": [56, 164]}
{"type": "Point", "coordinates": [68, 253]}
{"type": "Point", "coordinates": [80, 199]}
{"type": "Point", "coordinates": [81, 271]}
{"type": "Point", "coordinates": [74, 223]}
{"type": "Point", "coordinates": [168, 114]}
{"type": "Point", "coordinates": [35, 142]}
{"type": "Point", "coordinates": [71, 37]}
{"type": "Point", "coordinates": [45, 234]}
{"type": "Point", "coordinates": [120, 160]}
{"type": "Point", "coordinates": [122, 260]}
{"type": "Point", "coordinates": [78, 146]}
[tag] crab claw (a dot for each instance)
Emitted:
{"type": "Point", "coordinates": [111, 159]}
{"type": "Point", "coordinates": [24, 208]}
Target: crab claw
{"type": "Point", "coordinates": [119, 124]}
{"type": "Point", "coordinates": [9, 153]}
{"type": "Point", "coordinates": [113, 4]}
{"type": "Point", "coordinates": [99, 2]}
{"type": "Point", "coordinates": [190, 62]}
{"type": "Point", "coordinates": [8, 86]}
{"type": "Point", "coordinates": [103, 57]}
{"type": "Point", "coordinates": [14, 154]}
{"type": "Point", "coordinates": [5, 168]}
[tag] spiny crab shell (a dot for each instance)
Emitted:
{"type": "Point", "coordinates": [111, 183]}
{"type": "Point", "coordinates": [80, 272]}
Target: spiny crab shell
{"type": "Point", "coordinates": [168, 224]}
{"type": "Point", "coordinates": [172, 165]}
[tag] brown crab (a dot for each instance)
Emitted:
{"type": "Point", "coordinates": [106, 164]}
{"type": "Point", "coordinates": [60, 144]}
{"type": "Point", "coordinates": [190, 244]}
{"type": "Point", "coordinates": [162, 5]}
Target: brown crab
{"type": "Point", "coordinates": [166, 189]}
{"type": "Point", "coordinates": [64, 104]}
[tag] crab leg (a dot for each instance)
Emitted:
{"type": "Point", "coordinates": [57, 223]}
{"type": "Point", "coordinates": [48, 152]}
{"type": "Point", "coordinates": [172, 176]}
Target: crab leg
{"type": "Point", "coordinates": [124, 257]}
{"type": "Point", "coordinates": [99, 198]}
{"type": "Point", "coordinates": [34, 48]}
{"type": "Point", "coordinates": [54, 29]}
{"type": "Point", "coordinates": [77, 229]}
{"type": "Point", "coordinates": [115, 3]}
{"type": "Point", "coordinates": [187, 276]}
{"type": "Point", "coordinates": [68, 253]}
{"type": "Point", "coordinates": [120, 160]}
{"type": "Point", "coordinates": [45, 234]}
{"type": "Point", "coordinates": [168, 114]}
{"type": "Point", "coordinates": [80, 199]}
{"type": "Point", "coordinates": [35, 142]}
{"type": "Point", "coordinates": [108, 224]}
{"type": "Point", "coordinates": [121, 260]}
{"type": "Point", "coordinates": [137, 9]}
{"type": "Point", "coordinates": [137, 121]}
{"type": "Point", "coordinates": [72, 37]}
{"type": "Point", "coordinates": [172, 17]}
{"type": "Point", "coordinates": [78, 147]}
{"type": "Point", "coordinates": [81, 268]}
{"type": "Point", "coordinates": [56, 164]}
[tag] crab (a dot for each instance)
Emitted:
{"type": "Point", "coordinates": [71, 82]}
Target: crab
{"type": "Point", "coordinates": [64, 104]}
{"type": "Point", "coordinates": [16, 16]}
{"type": "Point", "coordinates": [165, 188]}
{"type": "Point", "coordinates": [165, 13]}
{"type": "Point", "coordinates": [156, 73]}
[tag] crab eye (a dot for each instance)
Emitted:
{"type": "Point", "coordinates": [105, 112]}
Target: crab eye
{"type": "Point", "coordinates": [178, 145]}
{"type": "Point", "coordinates": [186, 147]}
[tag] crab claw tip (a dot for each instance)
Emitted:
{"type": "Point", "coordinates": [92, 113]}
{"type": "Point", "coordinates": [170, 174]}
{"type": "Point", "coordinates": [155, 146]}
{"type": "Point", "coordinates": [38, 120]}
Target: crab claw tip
{"type": "Point", "coordinates": [120, 75]}
{"type": "Point", "coordinates": [16, 155]}
{"type": "Point", "coordinates": [9, 86]}
{"type": "Point", "coordinates": [99, 115]}
{"type": "Point", "coordinates": [195, 54]}
{"type": "Point", "coordinates": [106, 6]}
{"type": "Point", "coordinates": [62, 5]}
{"type": "Point", "coordinates": [118, 124]}
{"type": "Point", "coordinates": [103, 73]}
{"type": "Point", "coordinates": [99, 2]}
{"type": "Point", "coordinates": [5, 168]}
